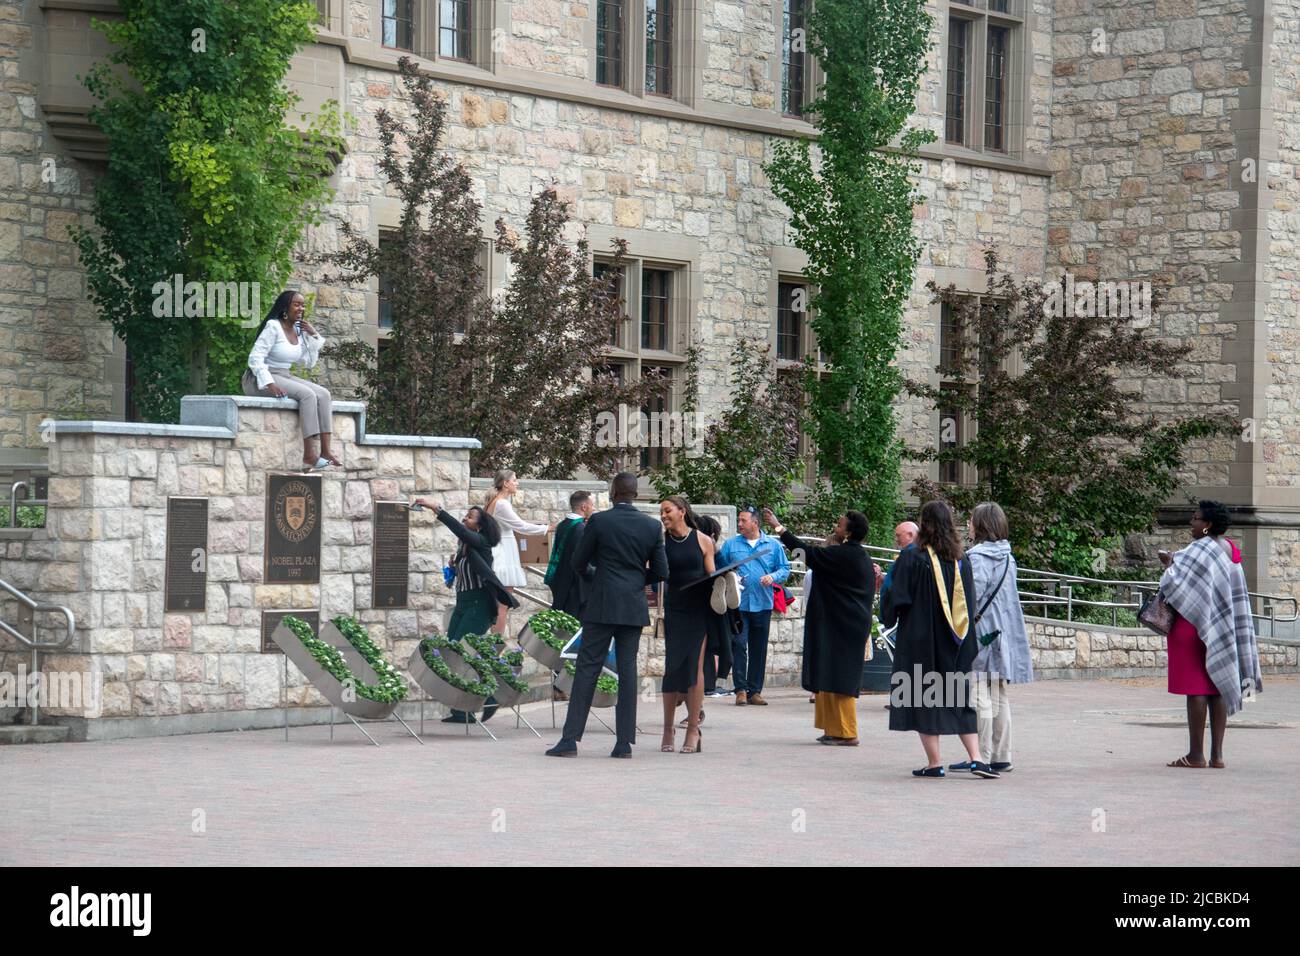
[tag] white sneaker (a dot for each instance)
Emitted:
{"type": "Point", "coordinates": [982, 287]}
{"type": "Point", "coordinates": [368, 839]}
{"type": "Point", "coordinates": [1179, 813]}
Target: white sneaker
{"type": "Point", "coordinates": [718, 599]}
{"type": "Point", "coordinates": [733, 589]}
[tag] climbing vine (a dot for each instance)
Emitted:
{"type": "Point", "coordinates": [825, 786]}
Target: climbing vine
{"type": "Point", "coordinates": [851, 198]}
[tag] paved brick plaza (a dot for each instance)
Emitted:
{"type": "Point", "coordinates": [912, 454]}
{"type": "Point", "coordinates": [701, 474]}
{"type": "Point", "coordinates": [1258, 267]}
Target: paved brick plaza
{"type": "Point", "coordinates": [1080, 746]}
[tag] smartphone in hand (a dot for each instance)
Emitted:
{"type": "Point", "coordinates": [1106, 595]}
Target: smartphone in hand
{"type": "Point", "coordinates": [414, 506]}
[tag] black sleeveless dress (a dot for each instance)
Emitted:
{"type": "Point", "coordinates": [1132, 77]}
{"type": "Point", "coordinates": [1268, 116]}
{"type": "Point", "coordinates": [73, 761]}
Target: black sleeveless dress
{"type": "Point", "coordinates": [686, 620]}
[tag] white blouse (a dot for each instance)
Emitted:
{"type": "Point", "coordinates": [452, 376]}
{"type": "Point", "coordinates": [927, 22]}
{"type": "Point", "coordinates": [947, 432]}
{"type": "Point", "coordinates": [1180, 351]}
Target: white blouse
{"type": "Point", "coordinates": [273, 350]}
{"type": "Point", "coordinates": [505, 513]}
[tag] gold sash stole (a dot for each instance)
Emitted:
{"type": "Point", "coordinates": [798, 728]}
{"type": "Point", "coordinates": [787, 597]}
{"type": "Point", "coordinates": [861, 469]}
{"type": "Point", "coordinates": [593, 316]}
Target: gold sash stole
{"type": "Point", "coordinates": [958, 618]}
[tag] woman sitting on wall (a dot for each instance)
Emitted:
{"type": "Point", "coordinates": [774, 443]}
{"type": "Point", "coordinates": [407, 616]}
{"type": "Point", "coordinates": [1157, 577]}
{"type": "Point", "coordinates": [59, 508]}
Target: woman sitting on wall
{"type": "Point", "coordinates": [286, 339]}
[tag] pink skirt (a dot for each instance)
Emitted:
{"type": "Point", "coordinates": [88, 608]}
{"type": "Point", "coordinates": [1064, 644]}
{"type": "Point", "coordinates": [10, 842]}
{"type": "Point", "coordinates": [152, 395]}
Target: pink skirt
{"type": "Point", "coordinates": [1187, 673]}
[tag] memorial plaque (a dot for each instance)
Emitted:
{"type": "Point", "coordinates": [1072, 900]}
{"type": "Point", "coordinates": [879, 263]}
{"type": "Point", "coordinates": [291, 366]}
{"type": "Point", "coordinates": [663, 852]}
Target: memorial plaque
{"type": "Point", "coordinates": [390, 555]}
{"type": "Point", "coordinates": [186, 565]}
{"type": "Point", "coordinates": [293, 536]}
{"type": "Point", "coordinates": [271, 620]}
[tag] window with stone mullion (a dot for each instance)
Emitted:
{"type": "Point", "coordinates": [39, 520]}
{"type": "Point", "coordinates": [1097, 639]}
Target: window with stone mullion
{"type": "Point", "coordinates": [397, 24]}
{"type": "Point", "coordinates": [658, 47]}
{"type": "Point", "coordinates": [454, 27]}
{"type": "Point", "coordinates": [793, 58]}
{"type": "Point", "coordinates": [609, 42]}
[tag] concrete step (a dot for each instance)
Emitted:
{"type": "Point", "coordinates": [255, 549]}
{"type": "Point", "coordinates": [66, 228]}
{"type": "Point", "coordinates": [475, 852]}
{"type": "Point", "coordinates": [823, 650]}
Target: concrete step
{"type": "Point", "coordinates": [26, 734]}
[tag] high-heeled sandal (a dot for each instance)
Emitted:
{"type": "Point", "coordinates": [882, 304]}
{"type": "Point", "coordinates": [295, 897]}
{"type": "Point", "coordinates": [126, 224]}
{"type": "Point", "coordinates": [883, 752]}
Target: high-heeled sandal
{"type": "Point", "coordinates": [699, 743]}
{"type": "Point", "coordinates": [669, 748]}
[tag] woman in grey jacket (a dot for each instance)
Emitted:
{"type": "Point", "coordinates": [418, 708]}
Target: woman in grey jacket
{"type": "Point", "coordinates": [1005, 658]}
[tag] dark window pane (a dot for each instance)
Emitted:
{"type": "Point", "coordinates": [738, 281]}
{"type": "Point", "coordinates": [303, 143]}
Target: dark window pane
{"type": "Point", "coordinates": [950, 436]}
{"type": "Point", "coordinates": [955, 107]}
{"type": "Point", "coordinates": [385, 292]}
{"type": "Point", "coordinates": [791, 306]}
{"type": "Point", "coordinates": [609, 42]}
{"type": "Point", "coordinates": [656, 293]}
{"type": "Point", "coordinates": [658, 431]}
{"type": "Point", "coordinates": [658, 47]}
{"type": "Point", "coordinates": [951, 345]}
{"type": "Point", "coordinates": [399, 24]}
{"type": "Point", "coordinates": [614, 279]}
{"type": "Point", "coordinates": [995, 89]}
{"type": "Point", "coordinates": [453, 29]}
{"type": "Point", "coordinates": [793, 49]}
{"type": "Point", "coordinates": [1000, 6]}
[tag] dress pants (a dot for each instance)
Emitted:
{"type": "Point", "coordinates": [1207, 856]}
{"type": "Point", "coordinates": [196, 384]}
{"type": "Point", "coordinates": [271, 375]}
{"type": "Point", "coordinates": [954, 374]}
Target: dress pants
{"type": "Point", "coordinates": [315, 406]}
{"type": "Point", "coordinates": [591, 658]}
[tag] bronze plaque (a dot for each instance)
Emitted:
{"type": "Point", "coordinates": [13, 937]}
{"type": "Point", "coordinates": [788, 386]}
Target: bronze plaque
{"type": "Point", "coordinates": [390, 555]}
{"type": "Point", "coordinates": [293, 521]}
{"type": "Point", "coordinates": [271, 620]}
{"type": "Point", "coordinates": [186, 564]}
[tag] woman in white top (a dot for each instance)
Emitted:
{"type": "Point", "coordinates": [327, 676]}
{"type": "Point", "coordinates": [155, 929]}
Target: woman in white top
{"type": "Point", "coordinates": [284, 340]}
{"type": "Point", "coordinates": [505, 555]}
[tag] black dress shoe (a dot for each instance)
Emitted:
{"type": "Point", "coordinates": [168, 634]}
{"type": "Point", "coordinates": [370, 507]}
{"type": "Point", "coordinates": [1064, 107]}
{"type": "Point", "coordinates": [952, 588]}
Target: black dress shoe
{"type": "Point", "coordinates": [1001, 767]}
{"type": "Point", "coordinates": [565, 748]}
{"type": "Point", "coordinates": [981, 769]}
{"type": "Point", "coordinates": [621, 750]}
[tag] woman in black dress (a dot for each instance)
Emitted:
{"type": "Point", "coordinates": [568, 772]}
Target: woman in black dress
{"type": "Point", "coordinates": [686, 621]}
{"type": "Point", "coordinates": [935, 644]}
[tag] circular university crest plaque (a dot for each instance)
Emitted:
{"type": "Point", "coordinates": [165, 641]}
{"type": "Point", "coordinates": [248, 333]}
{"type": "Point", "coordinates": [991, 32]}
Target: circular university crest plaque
{"type": "Point", "coordinates": [295, 511]}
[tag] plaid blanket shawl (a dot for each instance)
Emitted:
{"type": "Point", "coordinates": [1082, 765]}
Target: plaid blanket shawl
{"type": "Point", "coordinates": [1204, 586]}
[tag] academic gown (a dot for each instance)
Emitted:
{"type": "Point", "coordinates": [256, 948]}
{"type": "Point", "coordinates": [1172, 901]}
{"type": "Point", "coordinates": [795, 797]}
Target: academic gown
{"type": "Point", "coordinates": [924, 640]}
{"type": "Point", "coordinates": [837, 620]}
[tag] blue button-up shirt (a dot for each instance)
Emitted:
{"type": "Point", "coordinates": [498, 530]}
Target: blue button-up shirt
{"type": "Point", "coordinates": [756, 597]}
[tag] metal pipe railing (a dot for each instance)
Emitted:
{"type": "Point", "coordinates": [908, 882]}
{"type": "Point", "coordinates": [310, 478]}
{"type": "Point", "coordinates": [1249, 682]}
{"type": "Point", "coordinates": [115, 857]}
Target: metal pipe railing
{"type": "Point", "coordinates": [26, 502]}
{"type": "Point", "coordinates": [37, 645]}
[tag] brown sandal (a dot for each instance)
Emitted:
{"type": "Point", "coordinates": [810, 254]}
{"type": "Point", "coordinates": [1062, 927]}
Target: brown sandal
{"type": "Point", "coordinates": [1184, 762]}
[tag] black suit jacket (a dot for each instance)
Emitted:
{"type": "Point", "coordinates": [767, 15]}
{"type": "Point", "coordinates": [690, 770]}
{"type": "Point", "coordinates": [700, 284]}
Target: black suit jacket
{"type": "Point", "coordinates": [627, 548]}
{"type": "Point", "coordinates": [570, 587]}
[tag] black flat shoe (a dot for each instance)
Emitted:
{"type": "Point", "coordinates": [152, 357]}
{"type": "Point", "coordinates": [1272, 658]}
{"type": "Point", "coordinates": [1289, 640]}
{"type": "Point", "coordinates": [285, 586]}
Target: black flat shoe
{"type": "Point", "coordinates": [963, 765]}
{"type": "Point", "coordinates": [981, 769]}
{"type": "Point", "coordinates": [565, 748]}
{"type": "Point", "coordinates": [456, 718]}
{"type": "Point", "coordinates": [621, 750]}
{"type": "Point", "coordinates": [1001, 767]}
{"type": "Point", "coordinates": [929, 772]}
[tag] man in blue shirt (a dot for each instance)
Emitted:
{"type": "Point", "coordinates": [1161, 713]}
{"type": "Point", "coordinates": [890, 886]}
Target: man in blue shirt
{"type": "Point", "coordinates": [904, 538]}
{"type": "Point", "coordinates": [749, 647]}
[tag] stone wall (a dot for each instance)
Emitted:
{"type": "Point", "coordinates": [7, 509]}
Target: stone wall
{"type": "Point", "coordinates": [1069, 651]}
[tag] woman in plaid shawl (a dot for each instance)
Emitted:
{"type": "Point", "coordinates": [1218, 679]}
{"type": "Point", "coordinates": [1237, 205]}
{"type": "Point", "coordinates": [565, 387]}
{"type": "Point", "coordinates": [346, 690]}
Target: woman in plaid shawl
{"type": "Point", "coordinates": [1213, 658]}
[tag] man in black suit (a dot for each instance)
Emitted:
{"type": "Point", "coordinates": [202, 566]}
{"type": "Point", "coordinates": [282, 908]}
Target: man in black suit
{"type": "Point", "coordinates": [627, 548]}
{"type": "Point", "coordinates": [569, 585]}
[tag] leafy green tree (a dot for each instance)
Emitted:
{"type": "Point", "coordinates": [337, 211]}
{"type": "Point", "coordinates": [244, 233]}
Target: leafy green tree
{"type": "Point", "coordinates": [851, 199]}
{"type": "Point", "coordinates": [1061, 444]}
{"type": "Point", "coordinates": [207, 179]}
{"type": "Point", "coordinates": [750, 454]}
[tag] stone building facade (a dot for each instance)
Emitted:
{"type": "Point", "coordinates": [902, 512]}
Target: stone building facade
{"type": "Point", "coordinates": [1103, 140]}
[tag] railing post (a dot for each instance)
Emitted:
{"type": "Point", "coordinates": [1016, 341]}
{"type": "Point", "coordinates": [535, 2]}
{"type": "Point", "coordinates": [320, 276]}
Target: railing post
{"type": "Point", "coordinates": [1069, 601]}
{"type": "Point", "coordinates": [13, 502]}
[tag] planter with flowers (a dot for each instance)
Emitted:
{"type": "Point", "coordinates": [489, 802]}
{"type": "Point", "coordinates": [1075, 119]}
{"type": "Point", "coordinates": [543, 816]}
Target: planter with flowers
{"type": "Point", "coordinates": [344, 664]}
{"type": "Point", "coordinates": [505, 666]}
{"type": "Point", "coordinates": [606, 685]}
{"type": "Point", "coordinates": [431, 667]}
{"type": "Point", "coordinates": [545, 635]}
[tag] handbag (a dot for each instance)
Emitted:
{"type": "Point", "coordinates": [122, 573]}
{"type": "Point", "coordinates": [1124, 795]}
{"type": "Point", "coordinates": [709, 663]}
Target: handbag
{"type": "Point", "coordinates": [781, 599]}
{"type": "Point", "coordinates": [1156, 613]}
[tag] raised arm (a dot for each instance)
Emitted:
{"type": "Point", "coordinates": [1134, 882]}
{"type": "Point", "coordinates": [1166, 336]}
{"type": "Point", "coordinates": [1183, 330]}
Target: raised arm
{"type": "Point", "coordinates": [505, 513]}
{"type": "Point", "coordinates": [312, 343]}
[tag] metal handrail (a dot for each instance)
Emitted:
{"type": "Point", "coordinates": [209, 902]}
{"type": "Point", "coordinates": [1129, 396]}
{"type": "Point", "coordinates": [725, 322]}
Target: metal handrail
{"type": "Point", "coordinates": [1062, 587]}
{"type": "Point", "coordinates": [27, 502]}
{"type": "Point", "coordinates": [38, 607]}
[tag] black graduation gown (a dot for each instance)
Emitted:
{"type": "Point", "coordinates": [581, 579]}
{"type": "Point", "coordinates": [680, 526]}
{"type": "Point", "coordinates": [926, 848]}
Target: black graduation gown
{"type": "Point", "coordinates": [924, 641]}
{"type": "Point", "coordinates": [837, 620]}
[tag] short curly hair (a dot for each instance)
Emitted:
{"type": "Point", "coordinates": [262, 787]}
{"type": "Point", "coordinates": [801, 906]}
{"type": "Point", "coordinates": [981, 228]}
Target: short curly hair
{"type": "Point", "coordinates": [1216, 514]}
